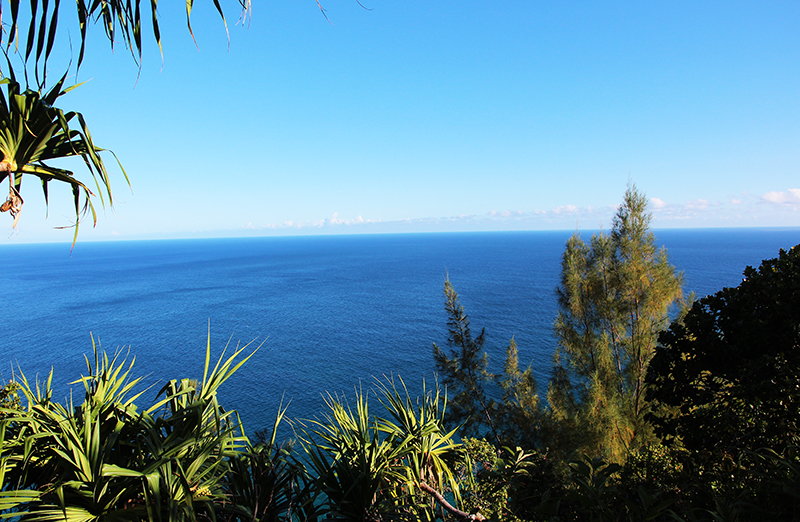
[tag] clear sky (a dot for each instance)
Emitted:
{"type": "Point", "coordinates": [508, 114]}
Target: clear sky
{"type": "Point", "coordinates": [436, 116]}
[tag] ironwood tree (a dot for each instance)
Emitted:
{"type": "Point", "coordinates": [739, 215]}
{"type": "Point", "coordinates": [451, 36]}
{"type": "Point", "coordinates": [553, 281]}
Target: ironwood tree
{"type": "Point", "coordinates": [504, 408]}
{"type": "Point", "coordinates": [464, 372]}
{"type": "Point", "coordinates": [614, 297]}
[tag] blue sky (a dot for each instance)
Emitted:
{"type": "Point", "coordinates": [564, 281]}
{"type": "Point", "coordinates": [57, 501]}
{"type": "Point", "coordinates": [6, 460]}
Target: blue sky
{"type": "Point", "coordinates": [438, 116]}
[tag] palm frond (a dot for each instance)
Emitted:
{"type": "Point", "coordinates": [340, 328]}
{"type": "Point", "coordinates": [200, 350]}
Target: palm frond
{"type": "Point", "coordinates": [104, 458]}
{"type": "Point", "coordinates": [34, 131]}
{"type": "Point", "coordinates": [121, 21]}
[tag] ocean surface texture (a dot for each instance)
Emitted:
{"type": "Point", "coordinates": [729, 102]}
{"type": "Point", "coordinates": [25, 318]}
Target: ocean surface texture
{"type": "Point", "coordinates": [327, 312]}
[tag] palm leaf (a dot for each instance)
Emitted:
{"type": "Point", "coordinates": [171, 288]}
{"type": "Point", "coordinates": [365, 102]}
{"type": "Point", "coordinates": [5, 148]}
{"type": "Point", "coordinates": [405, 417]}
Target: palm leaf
{"type": "Point", "coordinates": [34, 131]}
{"type": "Point", "coordinates": [106, 459]}
{"type": "Point", "coordinates": [121, 21]}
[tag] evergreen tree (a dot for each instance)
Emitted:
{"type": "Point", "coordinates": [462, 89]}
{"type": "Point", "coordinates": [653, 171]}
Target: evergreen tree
{"type": "Point", "coordinates": [520, 413]}
{"type": "Point", "coordinates": [613, 298]}
{"type": "Point", "coordinates": [504, 408]}
{"type": "Point", "coordinates": [464, 371]}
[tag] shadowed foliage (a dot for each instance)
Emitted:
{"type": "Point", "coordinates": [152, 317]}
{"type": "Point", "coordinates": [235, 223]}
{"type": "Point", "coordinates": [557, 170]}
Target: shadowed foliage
{"type": "Point", "coordinates": [729, 369]}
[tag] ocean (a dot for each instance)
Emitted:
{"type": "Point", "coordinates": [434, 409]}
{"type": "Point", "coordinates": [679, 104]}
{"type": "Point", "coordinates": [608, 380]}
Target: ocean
{"type": "Point", "coordinates": [327, 313]}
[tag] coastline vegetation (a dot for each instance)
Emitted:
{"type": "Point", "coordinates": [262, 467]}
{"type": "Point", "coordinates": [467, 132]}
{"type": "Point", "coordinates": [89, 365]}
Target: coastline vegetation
{"type": "Point", "coordinates": [644, 418]}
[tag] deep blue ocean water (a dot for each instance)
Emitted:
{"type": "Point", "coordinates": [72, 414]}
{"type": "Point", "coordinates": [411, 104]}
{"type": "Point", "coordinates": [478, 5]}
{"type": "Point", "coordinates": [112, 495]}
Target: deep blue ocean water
{"type": "Point", "coordinates": [328, 311]}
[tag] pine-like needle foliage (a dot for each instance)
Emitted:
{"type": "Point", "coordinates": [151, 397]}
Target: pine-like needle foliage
{"type": "Point", "coordinates": [503, 408]}
{"type": "Point", "coordinates": [464, 371]}
{"type": "Point", "coordinates": [613, 298]}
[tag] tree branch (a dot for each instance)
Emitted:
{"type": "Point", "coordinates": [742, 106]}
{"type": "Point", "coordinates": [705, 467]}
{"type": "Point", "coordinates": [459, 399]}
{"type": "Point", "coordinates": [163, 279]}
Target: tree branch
{"type": "Point", "coordinates": [446, 505]}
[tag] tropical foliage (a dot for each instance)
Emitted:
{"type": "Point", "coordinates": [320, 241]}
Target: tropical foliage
{"type": "Point", "coordinates": [267, 483]}
{"type": "Point", "coordinates": [614, 297]}
{"type": "Point", "coordinates": [122, 22]}
{"type": "Point", "coordinates": [106, 459]}
{"type": "Point", "coordinates": [720, 414]}
{"type": "Point", "coordinates": [33, 131]}
{"type": "Point", "coordinates": [731, 365]}
{"type": "Point", "coordinates": [369, 467]}
{"type": "Point", "coordinates": [696, 423]}
{"type": "Point", "coordinates": [186, 458]}
{"type": "Point", "coordinates": [726, 382]}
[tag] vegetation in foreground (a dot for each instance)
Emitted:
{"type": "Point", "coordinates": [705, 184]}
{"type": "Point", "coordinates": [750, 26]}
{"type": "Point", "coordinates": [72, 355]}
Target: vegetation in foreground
{"type": "Point", "coordinates": [693, 420]}
{"type": "Point", "coordinates": [698, 422]}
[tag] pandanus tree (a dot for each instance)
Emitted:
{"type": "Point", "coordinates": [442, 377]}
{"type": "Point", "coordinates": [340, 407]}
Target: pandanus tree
{"type": "Point", "coordinates": [108, 459]}
{"type": "Point", "coordinates": [33, 132]}
{"type": "Point", "coordinates": [395, 466]}
{"type": "Point", "coordinates": [121, 21]}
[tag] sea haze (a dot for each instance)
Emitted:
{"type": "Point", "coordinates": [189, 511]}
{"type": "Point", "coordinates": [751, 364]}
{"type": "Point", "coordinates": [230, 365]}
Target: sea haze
{"type": "Point", "coordinates": [328, 312]}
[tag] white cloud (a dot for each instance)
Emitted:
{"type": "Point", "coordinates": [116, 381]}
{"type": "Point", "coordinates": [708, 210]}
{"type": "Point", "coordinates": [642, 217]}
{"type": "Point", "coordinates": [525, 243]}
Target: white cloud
{"type": "Point", "coordinates": [506, 213]}
{"type": "Point", "coordinates": [333, 221]}
{"type": "Point", "coordinates": [697, 204]}
{"type": "Point", "coordinates": [734, 210]}
{"type": "Point", "coordinates": [790, 197]}
{"type": "Point", "coordinates": [565, 209]}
